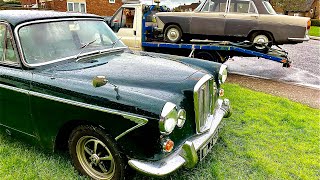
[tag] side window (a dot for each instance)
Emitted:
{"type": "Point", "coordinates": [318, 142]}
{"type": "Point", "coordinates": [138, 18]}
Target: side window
{"type": "Point", "coordinates": [215, 6]}
{"type": "Point", "coordinates": [127, 18]}
{"type": "Point", "coordinates": [7, 52]}
{"type": "Point", "coordinates": [242, 6]}
{"type": "Point", "coordinates": [123, 19]}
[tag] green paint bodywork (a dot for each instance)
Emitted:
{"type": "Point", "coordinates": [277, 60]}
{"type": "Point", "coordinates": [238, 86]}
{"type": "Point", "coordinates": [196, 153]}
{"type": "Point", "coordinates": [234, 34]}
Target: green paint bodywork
{"type": "Point", "coordinates": [44, 104]}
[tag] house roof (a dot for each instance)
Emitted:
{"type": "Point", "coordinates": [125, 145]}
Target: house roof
{"type": "Point", "coordinates": [15, 17]}
{"type": "Point", "coordinates": [193, 6]}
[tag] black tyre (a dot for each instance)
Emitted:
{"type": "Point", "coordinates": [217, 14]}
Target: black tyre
{"type": "Point", "coordinates": [208, 56]}
{"type": "Point", "coordinates": [173, 34]}
{"type": "Point", "coordinates": [263, 41]}
{"type": "Point", "coordinates": [95, 154]}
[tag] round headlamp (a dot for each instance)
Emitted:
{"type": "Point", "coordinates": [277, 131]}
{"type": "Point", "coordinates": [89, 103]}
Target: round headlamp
{"type": "Point", "coordinates": [182, 116]}
{"type": "Point", "coordinates": [169, 118]}
{"type": "Point", "coordinates": [223, 74]}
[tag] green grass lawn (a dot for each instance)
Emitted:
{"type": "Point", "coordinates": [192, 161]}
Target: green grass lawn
{"type": "Point", "coordinates": [314, 31]}
{"type": "Point", "coordinates": [266, 138]}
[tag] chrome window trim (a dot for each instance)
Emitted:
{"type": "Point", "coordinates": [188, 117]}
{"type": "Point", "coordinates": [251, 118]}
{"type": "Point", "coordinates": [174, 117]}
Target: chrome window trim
{"type": "Point", "coordinates": [132, 117]}
{"type": "Point", "coordinates": [19, 47]}
{"type": "Point", "coordinates": [6, 63]}
{"type": "Point", "coordinates": [250, 1]}
{"type": "Point", "coordinates": [203, 80]}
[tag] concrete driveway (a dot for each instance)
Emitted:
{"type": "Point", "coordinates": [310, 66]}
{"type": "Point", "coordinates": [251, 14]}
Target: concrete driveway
{"type": "Point", "coordinates": [305, 68]}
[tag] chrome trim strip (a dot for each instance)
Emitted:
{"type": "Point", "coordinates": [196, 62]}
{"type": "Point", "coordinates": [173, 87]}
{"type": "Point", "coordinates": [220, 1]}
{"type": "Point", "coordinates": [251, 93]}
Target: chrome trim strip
{"type": "Point", "coordinates": [132, 117]}
{"type": "Point", "coordinates": [18, 130]}
{"type": "Point", "coordinates": [180, 157]}
{"type": "Point", "coordinates": [306, 38]}
{"type": "Point", "coordinates": [16, 34]}
{"type": "Point", "coordinates": [131, 129]}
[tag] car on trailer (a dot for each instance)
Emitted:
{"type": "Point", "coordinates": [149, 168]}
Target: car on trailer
{"type": "Point", "coordinates": [144, 35]}
{"type": "Point", "coordinates": [234, 20]}
{"type": "Point", "coordinates": [68, 82]}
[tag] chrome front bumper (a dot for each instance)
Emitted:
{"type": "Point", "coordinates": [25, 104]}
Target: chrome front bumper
{"type": "Point", "coordinates": [306, 38]}
{"type": "Point", "coordinates": [186, 155]}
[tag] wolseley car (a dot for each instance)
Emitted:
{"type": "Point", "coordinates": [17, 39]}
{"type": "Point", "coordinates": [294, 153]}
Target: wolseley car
{"type": "Point", "coordinates": [253, 20]}
{"type": "Point", "coordinates": [68, 83]}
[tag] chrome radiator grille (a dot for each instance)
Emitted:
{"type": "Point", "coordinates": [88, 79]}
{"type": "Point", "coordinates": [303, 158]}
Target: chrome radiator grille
{"type": "Point", "coordinates": [204, 102]}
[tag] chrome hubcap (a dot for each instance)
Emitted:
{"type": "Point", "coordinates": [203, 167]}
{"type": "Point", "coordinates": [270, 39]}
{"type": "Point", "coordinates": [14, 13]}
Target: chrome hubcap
{"type": "Point", "coordinates": [173, 34]}
{"type": "Point", "coordinates": [95, 158]}
{"type": "Point", "coordinates": [261, 39]}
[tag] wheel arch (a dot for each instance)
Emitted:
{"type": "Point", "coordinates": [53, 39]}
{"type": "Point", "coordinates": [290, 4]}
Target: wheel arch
{"type": "Point", "coordinates": [270, 34]}
{"type": "Point", "coordinates": [172, 23]}
{"type": "Point", "coordinates": [61, 141]}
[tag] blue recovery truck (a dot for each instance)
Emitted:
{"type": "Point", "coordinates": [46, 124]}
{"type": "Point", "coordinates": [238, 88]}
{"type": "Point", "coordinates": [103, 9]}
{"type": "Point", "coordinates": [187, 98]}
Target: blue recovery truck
{"type": "Point", "coordinates": [136, 25]}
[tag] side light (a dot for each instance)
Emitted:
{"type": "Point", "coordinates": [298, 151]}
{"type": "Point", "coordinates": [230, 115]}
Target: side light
{"type": "Point", "coordinates": [169, 118]}
{"type": "Point", "coordinates": [168, 145]}
{"type": "Point", "coordinates": [223, 74]}
{"type": "Point", "coordinates": [182, 116]}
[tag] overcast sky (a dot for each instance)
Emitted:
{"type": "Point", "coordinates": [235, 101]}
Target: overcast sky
{"type": "Point", "coordinates": [171, 3]}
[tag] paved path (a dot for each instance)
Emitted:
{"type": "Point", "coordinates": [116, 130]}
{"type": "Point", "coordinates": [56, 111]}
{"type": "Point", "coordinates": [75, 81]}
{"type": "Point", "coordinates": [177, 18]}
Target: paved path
{"type": "Point", "coordinates": [305, 68]}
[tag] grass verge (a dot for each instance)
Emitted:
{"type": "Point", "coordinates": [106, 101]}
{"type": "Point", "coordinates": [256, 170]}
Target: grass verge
{"type": "Point", "coordinates": [314, 31]}
{"type": "Point", "coordinates": [267, 137]}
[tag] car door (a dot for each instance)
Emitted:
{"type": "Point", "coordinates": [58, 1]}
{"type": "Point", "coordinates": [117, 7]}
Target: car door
{"type": "Point", "coordinates": [14, 88]}
{"type": "Point", "coordinates": [125, 24]}
{"type": "Point", "coordinates": [210, 20]}
{"type": "Point", "coordinates": [241, 19]}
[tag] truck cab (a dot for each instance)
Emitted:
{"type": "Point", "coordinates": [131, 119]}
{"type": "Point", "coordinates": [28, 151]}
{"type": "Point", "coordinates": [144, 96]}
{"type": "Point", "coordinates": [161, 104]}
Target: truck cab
{"type": "Point", "coordinates": [127, 24]}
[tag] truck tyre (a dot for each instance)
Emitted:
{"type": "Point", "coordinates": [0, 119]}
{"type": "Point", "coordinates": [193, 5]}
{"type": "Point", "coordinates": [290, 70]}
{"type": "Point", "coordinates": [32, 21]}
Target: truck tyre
{"type": "Point", "coordinates": [173, 34]}
{"type": "Point", "coordinates": [261, 37]}
{"type": "Point", "coordinates": [208, 56]}
{"type": "Point", "coordinates": [95, 154]}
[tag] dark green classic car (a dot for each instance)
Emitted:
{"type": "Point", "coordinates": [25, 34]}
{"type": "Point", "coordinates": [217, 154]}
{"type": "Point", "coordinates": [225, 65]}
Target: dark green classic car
{"type": "Point", "coordinates": [67, 82]}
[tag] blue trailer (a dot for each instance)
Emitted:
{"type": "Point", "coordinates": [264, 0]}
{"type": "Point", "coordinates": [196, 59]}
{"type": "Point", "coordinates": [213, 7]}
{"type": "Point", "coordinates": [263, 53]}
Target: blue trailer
{"type": "Point", "coordinates": [144, 36]}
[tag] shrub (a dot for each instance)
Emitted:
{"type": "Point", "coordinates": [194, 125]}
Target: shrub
{"type": "Point", "coordinates": [315, 22]}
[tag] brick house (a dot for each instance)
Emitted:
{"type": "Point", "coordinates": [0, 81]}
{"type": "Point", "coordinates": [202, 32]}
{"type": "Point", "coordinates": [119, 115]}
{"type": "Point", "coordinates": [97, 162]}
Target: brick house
{"type": "Point", "coordinates": [99, 7]}
{"type": "Point", "coordinates": [186, 8]}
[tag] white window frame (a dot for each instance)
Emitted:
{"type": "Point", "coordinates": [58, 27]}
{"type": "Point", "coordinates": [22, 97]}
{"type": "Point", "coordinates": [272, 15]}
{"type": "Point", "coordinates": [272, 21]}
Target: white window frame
{"type": "Point", "coordinates": [85, 6]}
{"type": "Point", "coordinates": [112, 1]}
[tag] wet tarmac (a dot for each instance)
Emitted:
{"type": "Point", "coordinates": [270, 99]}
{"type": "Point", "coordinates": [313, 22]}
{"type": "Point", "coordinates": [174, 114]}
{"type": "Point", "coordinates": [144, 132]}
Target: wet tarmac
{"type": "Point", "coordinates": [305, 68]}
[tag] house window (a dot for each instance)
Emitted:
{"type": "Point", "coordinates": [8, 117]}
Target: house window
{"type": "Point", "coordinates": [76, 7]}
{"type": "Point", "coordinates": [112, 1]}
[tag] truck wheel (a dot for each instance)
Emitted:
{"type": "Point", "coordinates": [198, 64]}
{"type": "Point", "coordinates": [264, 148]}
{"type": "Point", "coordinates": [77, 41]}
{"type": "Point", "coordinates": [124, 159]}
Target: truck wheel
{"type": "Point", "coordinates": [208, 56]}
{"type": "Point", "coordinates": [95, 154]}
{"type": "Point", "coordinates": [172, 34]}
{"type": "Point", "coordinates": [261, 38]}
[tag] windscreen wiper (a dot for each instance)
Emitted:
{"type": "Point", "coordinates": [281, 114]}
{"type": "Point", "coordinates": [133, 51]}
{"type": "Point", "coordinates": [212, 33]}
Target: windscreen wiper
{"type": "Point", "coordinates": [114, 43]}
{"type": "Point", "coordinates": [83, 48]}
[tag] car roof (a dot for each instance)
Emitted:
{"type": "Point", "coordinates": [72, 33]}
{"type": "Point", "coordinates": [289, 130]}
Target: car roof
{"type": "Point", "coordinates": [16, 17]}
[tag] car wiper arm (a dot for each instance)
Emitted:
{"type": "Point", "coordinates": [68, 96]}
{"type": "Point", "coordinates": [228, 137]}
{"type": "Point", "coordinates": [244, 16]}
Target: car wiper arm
{"type": "Point", "coordinates": [114, 43]}
{"type": "Point", "coordinates": [83, 48]}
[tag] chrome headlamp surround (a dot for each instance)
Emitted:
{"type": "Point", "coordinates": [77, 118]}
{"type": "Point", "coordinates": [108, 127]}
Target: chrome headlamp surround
{"type": "Point", "coordinates": [182, 116]}
{"type": "Point", "coordinates": [169, 118]}
{"type": "Point", "coordinates": [223, 74]}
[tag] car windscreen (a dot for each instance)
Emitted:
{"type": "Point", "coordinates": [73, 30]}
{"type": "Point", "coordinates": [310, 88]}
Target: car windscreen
{"type": "Point", "coordinates": [268, 7]}
{"type": "Point", "coordinates": [46, 42]}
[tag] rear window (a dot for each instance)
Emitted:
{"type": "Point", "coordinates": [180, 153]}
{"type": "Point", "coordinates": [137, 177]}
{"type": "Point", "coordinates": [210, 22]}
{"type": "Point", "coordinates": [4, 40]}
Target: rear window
{"type": "Point", "coordinates": [269, 7]}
